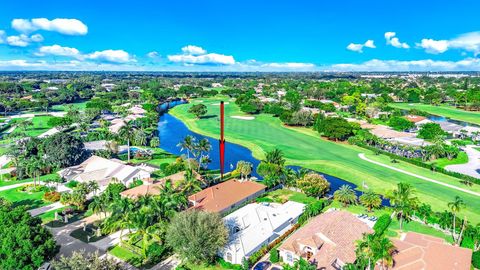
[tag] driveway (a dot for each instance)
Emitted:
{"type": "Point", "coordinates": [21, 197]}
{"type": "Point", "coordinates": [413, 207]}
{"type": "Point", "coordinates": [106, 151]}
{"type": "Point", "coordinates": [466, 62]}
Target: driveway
{"type": "Point", "coordinates": [471, 168]}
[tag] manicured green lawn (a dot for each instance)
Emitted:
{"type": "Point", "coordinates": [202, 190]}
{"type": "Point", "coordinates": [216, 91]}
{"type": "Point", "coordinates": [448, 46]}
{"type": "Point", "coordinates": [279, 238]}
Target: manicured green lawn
{"type": "Point", "coordinates": [159, 157]}
{"type": "Point", "coordinates": [19, 198]}
{"type": "Point", "coordinates": [64, 107]}
{"type": "Point", "coordinates": [442, 110]}
{"type": "Point", "coordinates": [40, 125]}
{"type": "Point", "coordinates": [50, 215]}
{"type": "Point", "coordinates": [413, 226]}
{"type": "Point", "coordinates": [283, 195]}
{"type": "Point", "coordinates": [126, 255]}
{"type": "Point", "coordinates": [303, 147]}
{"type": "Point", "coordinates": [462, 158]}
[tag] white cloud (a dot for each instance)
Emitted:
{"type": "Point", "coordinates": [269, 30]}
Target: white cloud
{"type": "Point", "coordinates": [58, 50]}
{"type": "Point", "coordinates": [194, 55]}
{"type": "Point", "coordinates": [355, 47]}
{"type": "Point", "coordinates": [468, 64]}
{"type": "Point", "coordinates": [434, 46]}
{"type": "Point", "coordinates": [193, 50]}
{"type": "Point", "coordinates": [60, 25]}
{"type": "Point", "coordinates": [211, 58]}
{"type": "Point", "coordinates": [112, 56]}
{"type": "Point", "coordinates": [153, 54]}
{"type": "Point", "coordinates": [391, 39]}
{"type": "Point", "coordinates": [23, 40]}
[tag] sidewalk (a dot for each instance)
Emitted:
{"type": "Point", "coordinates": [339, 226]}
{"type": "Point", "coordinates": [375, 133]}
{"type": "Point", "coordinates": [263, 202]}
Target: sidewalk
{"type": "Point", "coordinates": [46, 208]}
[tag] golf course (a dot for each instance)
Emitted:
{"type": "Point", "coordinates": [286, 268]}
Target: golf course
{"type": "Point", "coordinates": [304, 147]}
{"type": "Point", "coordinates": [442, 110]}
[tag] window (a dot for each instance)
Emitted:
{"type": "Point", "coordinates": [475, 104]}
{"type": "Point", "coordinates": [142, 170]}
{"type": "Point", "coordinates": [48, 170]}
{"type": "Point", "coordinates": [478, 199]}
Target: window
{"type": "Point", "coordinates": [289, 257]}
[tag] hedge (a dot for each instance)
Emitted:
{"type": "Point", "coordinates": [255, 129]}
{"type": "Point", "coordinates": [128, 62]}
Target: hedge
{"type": "Point", "coordinates": [382, 224]}
{"type": "Point", "coordinates": [476, 259]}
{"type": "Point", "coordinates": [274, 256]}
{"type": "Point", "coordinates": [418, 163]}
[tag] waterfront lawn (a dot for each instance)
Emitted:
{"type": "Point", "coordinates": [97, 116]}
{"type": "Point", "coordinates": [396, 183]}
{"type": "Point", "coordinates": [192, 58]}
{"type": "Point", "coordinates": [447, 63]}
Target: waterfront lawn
{"type": "Point", "coordinates": [358, 209]}
{"type": "Point", "coordinates": [19, 198]}
{"type": "Point", "coordinates": [283, 195]}
{"type": "Point", "coordinates": [442, 110]}
{"type": "Point", "coordinates": [159, 157]}
{"type": "Point", "coordinates": [303, 147]}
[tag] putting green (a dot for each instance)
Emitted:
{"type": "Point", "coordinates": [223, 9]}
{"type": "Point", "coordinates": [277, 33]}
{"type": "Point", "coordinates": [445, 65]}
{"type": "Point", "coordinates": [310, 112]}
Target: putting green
{"type": "Point", "coordinates": [304, 147]}
{"type": "Point", "coordinates": [442, 110]}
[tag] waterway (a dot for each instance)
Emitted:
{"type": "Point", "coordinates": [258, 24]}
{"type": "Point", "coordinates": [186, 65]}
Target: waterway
{"type": "Point", "coordinates": [172, 131]}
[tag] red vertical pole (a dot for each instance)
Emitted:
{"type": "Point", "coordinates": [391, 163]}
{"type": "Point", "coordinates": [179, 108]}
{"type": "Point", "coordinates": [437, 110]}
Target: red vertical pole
{"type": "Point", "coordinates": [222, 139]}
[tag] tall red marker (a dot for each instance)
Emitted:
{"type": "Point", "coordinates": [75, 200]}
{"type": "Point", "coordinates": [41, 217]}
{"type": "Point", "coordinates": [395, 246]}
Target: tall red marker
{"type": "Point", "coordinates": [222, 140]}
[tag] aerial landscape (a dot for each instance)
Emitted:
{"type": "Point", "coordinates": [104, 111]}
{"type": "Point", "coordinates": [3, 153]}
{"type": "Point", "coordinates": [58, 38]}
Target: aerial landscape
{"type": "Point", "coordinates": [262, 135]}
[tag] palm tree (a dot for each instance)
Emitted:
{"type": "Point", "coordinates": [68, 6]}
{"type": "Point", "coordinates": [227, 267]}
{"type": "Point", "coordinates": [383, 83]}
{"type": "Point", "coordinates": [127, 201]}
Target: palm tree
{"type": "Point", "coordinates": [370, 200]}
{"type": "Point", "coordinates": [346, 195]}
{"type": "Point", "coordinates": [275, 157]}
{"type": "Point", "coordinates": [93, 187]}
{"type": "Point", "coordinates": [155, 142]}
{"type": "Point", "coordinates": [456, 206]}
{"type": "Point", "coordinates": [190, 184]}
{"type": "Point", "coordinates": [203, 147]}
{"type": "Point", "coordinates": [366, 249]}
{"type": "Point", "coordinates": [403, 201]}
{"type": "Point", "coordinates": [127, 132]}
{"type": "Point", "coordinates": [187, 144]}
{"type": "Point", "coordinates": [97, 206]}
{"type": "Point", "coordinates": [170, 200]}
{"type": "Point", "coordinates": [140, 137]}
{"type": "Point", "coordinates": [385, 249]}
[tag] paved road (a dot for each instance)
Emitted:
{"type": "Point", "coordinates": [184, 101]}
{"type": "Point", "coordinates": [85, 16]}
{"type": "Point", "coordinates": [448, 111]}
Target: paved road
{"type": "Point", "coordinates": [46, 208]}
{"type": "Point", "coordinates": [4, 160]}
{"type": "Point", "coordinates": [472, 167]}
{"type": "Point", "coordinates": [362, 156]}
{"type": "Point", "coordinates": [14, 186]}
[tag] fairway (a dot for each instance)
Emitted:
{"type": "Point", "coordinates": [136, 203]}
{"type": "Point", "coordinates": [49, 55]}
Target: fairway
{"type": "Point", "coordinates": [303, 147]}
{"type": "Point", "coordinates": [442, 110]}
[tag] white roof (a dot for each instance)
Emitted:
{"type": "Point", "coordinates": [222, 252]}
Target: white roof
{"type": "Point", "coordinates": [257, 223]}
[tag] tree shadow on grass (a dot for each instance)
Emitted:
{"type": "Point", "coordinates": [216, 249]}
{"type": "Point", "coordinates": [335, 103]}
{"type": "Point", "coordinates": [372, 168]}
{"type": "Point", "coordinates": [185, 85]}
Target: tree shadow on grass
{"type": "Point", "coordinates": [29, 203]}
{"type": "Point", "coordinates": [208, 116]}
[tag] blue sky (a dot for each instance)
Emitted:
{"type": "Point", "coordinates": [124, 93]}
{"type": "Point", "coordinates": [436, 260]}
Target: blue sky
{"type": "Point", "coordinates": [240, 35]}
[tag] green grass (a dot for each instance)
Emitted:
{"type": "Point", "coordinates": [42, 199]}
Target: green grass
{"type": "Point", "coordinates": [40, 125]}
{"type": "Point", "coordinates": [50, 215]}
{"type": "Point", "coordinates": [462, 158]}
{"type": "Point", "coordinates": [64, 107]}
{"type": "Point", "coordinates": [126, 255]}
{"type": "Point", "coordinates": [303, 147]}
{"type": "Point", "coordinates": [283, 195]}
{"type": "Point", "coordinates": [413, 226]}
{"type": "Point", "coordinates": [442, 110]}
{"type": "Point", "coordinates": [20, 198]}
{"type": "Point", "coordinates": [159, 157]}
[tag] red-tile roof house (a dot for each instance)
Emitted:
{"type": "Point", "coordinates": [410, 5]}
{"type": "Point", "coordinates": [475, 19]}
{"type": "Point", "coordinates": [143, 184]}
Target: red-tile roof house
{"type": "Point", "coordinates": [418, 251]}
{"type": "Point", "coordinates": [328, 240]}
{"type": "Point", "coordinates": [226, 195]}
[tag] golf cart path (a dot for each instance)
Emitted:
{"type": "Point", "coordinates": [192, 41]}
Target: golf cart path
{"type": "Point", "coordinates": [362, 156]}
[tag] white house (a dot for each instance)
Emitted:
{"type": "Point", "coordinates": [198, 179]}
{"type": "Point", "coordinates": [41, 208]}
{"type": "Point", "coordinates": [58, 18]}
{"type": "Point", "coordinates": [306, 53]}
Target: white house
{"type": "Point", "coordinates": [104, 170]}
{"type": "Point", "coordinates": [256, 225]}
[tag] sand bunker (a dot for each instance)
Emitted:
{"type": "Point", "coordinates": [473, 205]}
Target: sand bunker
{"type": "Point", "coordinates": [243, 117]}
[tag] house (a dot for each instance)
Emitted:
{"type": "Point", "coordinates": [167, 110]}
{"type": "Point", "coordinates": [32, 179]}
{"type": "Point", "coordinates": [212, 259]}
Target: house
{"type": "Point", "coordinates": [104, 170]}
{"type": "Point", "coordinates": [419, 251]}
{"type": "Point", "coordinates": [328, 240]}
{"type": "Point", "coordinates": [226, 195]}
{"type": "Point", "coordinates": [449, 127]}
{"type": "Point", "coordinates": [417, 120]}
{"type": "Point", "coordinates": [153, 188]}
{"type": "Point", "coordinates": [256, 225]}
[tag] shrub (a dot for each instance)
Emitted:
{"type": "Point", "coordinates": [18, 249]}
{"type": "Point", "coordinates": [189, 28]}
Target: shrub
{"type": "Point", "coordinates": [274, 256]}
{"type": "Point", "coordinates": [226, 265]}
{"type": "Point", "coordinates": [476, 259]}
{"type": "Point", "coordinates": [382, 224]}
{"type": "Point", "coordinates": [467, 242]}
{"type": "Point", "coordinates": [72, 184]}
{"type": "Point", "coordinates": [51, 196]}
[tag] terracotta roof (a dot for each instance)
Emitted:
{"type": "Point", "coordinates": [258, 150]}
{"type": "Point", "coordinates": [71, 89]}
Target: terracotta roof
{"type": "Point", "coordinates": [419, 251]}
{"type": "Point", "coordinates": [221, 196]}
{"type": "Point", "coordinates": [154, 188]}
{"type": "Point", "coordinates": [331, 236]}
{"type": "Point", "coordinates": [415, 118]}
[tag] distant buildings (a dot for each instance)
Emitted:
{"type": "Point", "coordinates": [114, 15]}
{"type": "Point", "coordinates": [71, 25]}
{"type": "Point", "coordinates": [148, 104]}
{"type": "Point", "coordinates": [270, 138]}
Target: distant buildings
{"type": "Point", "coordinates": [104, 170]}
{"type": "Point", "coordinates": [419, 251]}
{"type": "Point", "coordinates": [225, 196]}
{"type": "Point", "coordinates": [256, 225]}
{"type": "Point", "coordinates": [327, 240]}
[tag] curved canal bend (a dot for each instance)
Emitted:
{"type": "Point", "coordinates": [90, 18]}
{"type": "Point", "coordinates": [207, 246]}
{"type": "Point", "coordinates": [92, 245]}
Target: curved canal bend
{"type": "Point", "coordinates": [172, 131]}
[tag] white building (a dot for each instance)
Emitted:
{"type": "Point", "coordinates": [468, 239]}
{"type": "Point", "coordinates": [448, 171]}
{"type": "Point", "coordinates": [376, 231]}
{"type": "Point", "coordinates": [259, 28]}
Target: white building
{"type": "Point", "coordinates": [256, 225]}
{"type": "Point", "coordinates": [104, 170]}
